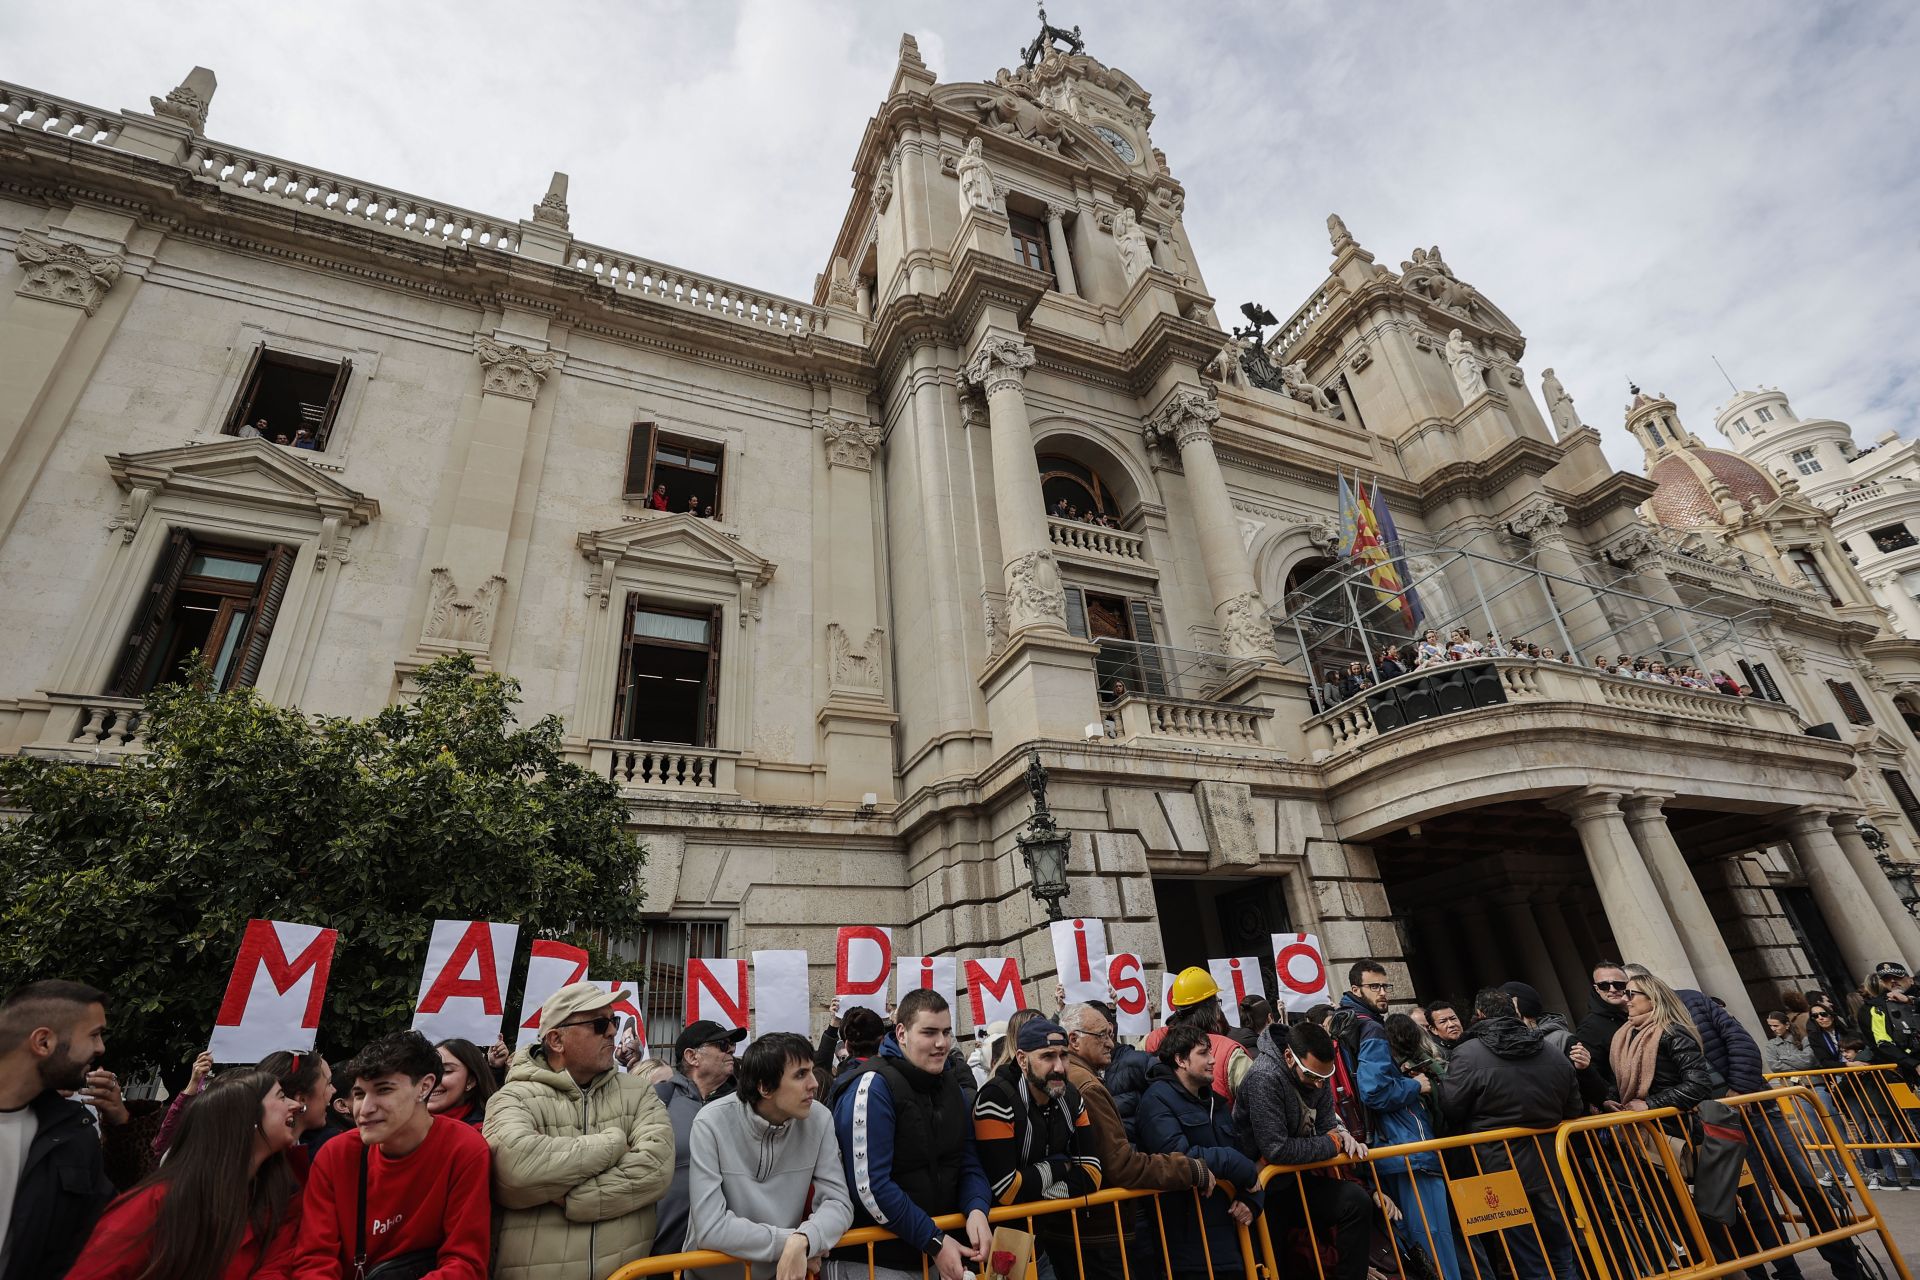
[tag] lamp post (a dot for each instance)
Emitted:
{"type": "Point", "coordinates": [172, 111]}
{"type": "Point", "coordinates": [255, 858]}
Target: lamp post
{"type": "Point", "coordinates": [1043, 844]}
{"type": "Point", "coordinates": [1900, 874]}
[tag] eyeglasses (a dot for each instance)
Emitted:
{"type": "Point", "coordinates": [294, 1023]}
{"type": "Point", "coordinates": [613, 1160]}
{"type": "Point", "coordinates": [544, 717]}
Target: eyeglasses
{"type": "Point", "coordinates": [1381, 987]}
{"type": "Point", "coordinates": [601, 1025]}
{"type": "Point", "coordinates": [1106, 1035]}
{"type": "Point", "coordinates": [1609, 986]}
{"type": "Point", "coordinates": [1822, 1013]}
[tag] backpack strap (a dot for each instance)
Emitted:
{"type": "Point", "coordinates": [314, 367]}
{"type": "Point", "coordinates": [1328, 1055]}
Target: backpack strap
{"type": "Point", "coordinates": [360, 1219]}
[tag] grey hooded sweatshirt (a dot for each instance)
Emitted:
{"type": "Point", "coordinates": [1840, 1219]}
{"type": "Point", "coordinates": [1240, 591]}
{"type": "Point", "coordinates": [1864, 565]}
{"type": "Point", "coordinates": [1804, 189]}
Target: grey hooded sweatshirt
{"type": "Point", "coordinates": [748, 1182]}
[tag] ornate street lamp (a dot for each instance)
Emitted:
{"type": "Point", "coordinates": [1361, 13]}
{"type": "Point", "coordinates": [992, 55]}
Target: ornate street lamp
{"type": "Point", "coordinates": [1044, 845]}
{"type": "Point", "coordinates": [1900, 874]}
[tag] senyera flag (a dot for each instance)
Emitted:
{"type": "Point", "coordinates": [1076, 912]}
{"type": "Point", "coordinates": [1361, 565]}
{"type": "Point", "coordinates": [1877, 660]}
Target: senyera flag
{"type": "Point", "coordinates": [274, 997]}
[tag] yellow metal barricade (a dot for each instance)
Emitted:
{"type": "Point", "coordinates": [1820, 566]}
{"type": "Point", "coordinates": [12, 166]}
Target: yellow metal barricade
{"type": "Point", "coordinates": [1872, 1107]}
{"type": "Point", "coordinates": [1630, 1177]}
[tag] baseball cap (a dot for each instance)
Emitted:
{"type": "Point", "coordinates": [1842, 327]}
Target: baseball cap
{"type": "Point", "coordinates": [571, 1001]}
{"type": "Point", "coordinates": [1890, 969]}
{"type": "Point", "coordinates": [1038, 1033]}
{"type": "Point", "coordinates": [706, 1031]}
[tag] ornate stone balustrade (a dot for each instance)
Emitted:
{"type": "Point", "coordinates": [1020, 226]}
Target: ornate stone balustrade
{"type": "Point", "coordinates": [630, 275]}
{"type": "Point", "coordinates": [98, 727]}
{"type": "Point", "coordinates": [1855, 495]}
{"type": "Point", "coordinates": [1743, 581]}
{"type": "Point", "coordinates": [1093, 540]}
{"type": "Point", "coordinates": [348, 199]}
{"type": "Point", "coordinates": [1531, 680]}
{"type": "Point", "coordinates": [1139, 717]}
{"type": "Point", "coordinates": [28, 109]}
{"type": "Point", "coordinates": [1301, 322]}
{"type": "Point", "coordinates": [664, 767]}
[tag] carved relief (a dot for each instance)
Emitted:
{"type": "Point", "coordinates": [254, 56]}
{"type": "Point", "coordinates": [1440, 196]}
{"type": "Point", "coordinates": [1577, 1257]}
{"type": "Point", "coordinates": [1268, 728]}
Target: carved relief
{"type": "Point", "coordinates": [855, 667]}
{"type": "Point", "coordinates": [883, 186]}
{"type": "Point", "coordinates": [850, 443]}
{"type": "Point", "coordinates": [1000, 363]}
{"type": "Point", "coordinates": [1308, 392]}
{"type": "Point", "coordinates": [466, 622]}
{"type": "Point", "coordinates": [65, 273]}
{"type": "Point", "coordinates": [1135, 253]}
{"type": "Point", "coordinates": [1634, 545]}
{"type": "Point", "coordinates": [188, 101]}
{"type": "Point", "coordinates": [1360, 359]}
{"type": "Point", "coordinates": [1034, 597]}
{"type": "Point", "coordinates": [508, 370]}
{"type": "Point", "coordinates": [1870, 673]}
{"type": "Point", "coordinates": [1540, 519]}
{"type": "Point", "coordinates": [552, 209]}
{"type": "Point", "coordinates": [1792, 655]}
{"type": "Point", "coordinates": [1186, 418]}
{"type": "Point", "coordinates": [1245, 626]}
{"type": "Point", "coordinates": [1014, 109]}
{"type": "Point", "coordinates": [132, 512]}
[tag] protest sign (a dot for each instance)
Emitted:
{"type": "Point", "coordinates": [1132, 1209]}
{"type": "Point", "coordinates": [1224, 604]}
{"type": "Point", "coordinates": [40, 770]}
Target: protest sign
{"type": "Point", "coordinates": [275, 994]}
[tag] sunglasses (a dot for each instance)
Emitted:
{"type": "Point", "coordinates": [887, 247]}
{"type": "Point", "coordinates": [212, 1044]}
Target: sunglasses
{"type": "Point", "coordinates": [600, 1025]}
{"type": "Point", "coordinates": [1632, 994]}
{"type": "Point", "coordinates": [1822, 1013]}
{"type": "Point", "coordinates": [1317, 1075]}
{"type": "Point", "coordinates": [1609, 986]}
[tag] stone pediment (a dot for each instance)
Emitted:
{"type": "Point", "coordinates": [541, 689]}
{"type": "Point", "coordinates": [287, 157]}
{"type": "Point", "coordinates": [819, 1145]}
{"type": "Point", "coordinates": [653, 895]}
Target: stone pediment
{"type": "Point", "coordinates": [678, 541]}
{"type": "Point", "coordinates": [1011, 112]}
{"type": "Point", "coordinates": [235, 472]}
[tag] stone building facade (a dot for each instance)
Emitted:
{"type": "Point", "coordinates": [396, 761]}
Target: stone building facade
{"type": "Point", "coordinates": [820, 689]}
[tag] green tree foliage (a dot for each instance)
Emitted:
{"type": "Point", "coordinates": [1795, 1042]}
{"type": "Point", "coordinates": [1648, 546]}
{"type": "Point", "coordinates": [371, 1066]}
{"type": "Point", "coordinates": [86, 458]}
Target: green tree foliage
{"type": "Point", "coordinates": [140, 879]}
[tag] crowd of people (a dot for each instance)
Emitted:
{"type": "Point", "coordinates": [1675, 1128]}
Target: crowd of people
{"type": "Point", "coordinates": [659, 500]}
{"type": "Point", "coordinates": [568, 1157]}
{"type": "Point", "coordinates": [1432, 652]}
{"type": "Point", "coordinates": [1065, 510]}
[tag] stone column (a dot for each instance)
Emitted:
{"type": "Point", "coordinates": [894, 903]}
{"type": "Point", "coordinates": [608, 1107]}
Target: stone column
{"type": "Point", "coordinates": [1904, 928]}
{"type": "Point", "coordinates": [1699, 931]}
{"type": "Point", "coordinates": [1576, 976]}
{"type": "Point", "coordinates": [1542, 522]}
{"type": "Point", "coordinates": [1031, 579]}
{"type": "Point", "coordinates": [1536, 962]}
{"type": "Point", "coordinates": [1635, 911]}
{"type": "Point", "coordinates": [1844, 900]}
{"type": "Point", "coordinates": [1062, 260]}
{"type": "Point", "coordinates": [1187, 418]}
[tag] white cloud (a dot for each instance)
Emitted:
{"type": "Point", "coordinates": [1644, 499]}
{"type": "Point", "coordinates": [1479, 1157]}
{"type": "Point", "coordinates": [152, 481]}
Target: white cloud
{"type": "Point", "coordinates": [1638, 185]}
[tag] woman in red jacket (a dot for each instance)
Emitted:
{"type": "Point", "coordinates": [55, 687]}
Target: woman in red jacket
{"type": "Point", "coordinates": [226, 1202]}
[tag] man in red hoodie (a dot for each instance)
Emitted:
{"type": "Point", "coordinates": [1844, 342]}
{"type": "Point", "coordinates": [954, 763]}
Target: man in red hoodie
{"type": "Point", "coordinates": [426, 1178]}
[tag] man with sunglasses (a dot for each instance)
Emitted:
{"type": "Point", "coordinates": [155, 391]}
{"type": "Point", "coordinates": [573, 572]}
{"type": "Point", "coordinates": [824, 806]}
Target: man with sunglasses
{"type": "Point", "coordinates": [582, 1151]}
{"type": "Point", "coordinates": [703, 1068]}
{"type": "Point", "coordinates": [1606, 1014]}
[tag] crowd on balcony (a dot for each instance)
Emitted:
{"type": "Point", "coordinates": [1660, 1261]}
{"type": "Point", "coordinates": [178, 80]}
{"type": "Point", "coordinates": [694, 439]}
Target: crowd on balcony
{"type": "Point", "coordinates": [578, 1155]}
{"type": "Point", "coordinates": [1064, 510]}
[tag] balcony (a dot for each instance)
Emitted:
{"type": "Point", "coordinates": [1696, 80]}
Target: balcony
{"type": "Point", "coordinates": [664, 768]}
{"type": "Point", "coordinates": [1440, 694]}
{"type": "Point", "coordinates": [1096, 544]}
{"type": "Point", "coordinates": [1157, 694]}
{"type": "Point", "coordinates": [90, 728]}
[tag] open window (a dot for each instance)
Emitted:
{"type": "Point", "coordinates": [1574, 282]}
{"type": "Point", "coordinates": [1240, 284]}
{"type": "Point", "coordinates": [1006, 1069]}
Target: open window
{"type": "Point", "coordinates": [1131, 664]}
{"type": "Point", "coordinates": [210, 599]}
{"type": "Point", "coordinates": [669, 680]}
{"type": "Point", "coordinates": [1074, 490]}
{"type": "Point", "coordinates": [1030, 244]}
{"type": "Point", "coordinates": [670, 473]}
{"type": "Point", "coordinates": [288, 399]}
{"type": "Point", "coordinates": [1805, 561]}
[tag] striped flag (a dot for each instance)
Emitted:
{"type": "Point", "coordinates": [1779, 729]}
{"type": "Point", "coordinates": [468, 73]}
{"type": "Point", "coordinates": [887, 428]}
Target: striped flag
{"type": "Point", "coordinates": [1383, 521]}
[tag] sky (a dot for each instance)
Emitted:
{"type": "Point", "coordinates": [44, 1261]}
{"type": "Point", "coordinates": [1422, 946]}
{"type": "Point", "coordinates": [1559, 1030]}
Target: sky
{"type": "Point", "coordinates": [1641, 187]}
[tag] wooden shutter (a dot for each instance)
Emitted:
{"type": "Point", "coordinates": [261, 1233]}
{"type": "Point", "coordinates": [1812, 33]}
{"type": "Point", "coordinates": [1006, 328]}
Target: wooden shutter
{"type": "Point", "coordinates": [640, 460]}
{"type": "Point", "coordinates": [1850, 702]}
{"type": "Point", "coordinates": [623, 678]}
{"type": "Point", "coordinates": [249, 384]}
{"type": "Point", "coordinates": [1152, 676]}
{"type": "Point", "coordinates": [1902, 795]}
{"type": "Point", "coordinates": [266, 606]}
{"type": "Point", "coordinates": [324, 427]}
{"type": "Point", "coordinates": [710, 735]}
{"type": "Point", "coordinates": [1763, 681]}
{"type": "Point", "coordinates": [1076, 612]}
{"type": "Point", "coordinates": [152, 616]}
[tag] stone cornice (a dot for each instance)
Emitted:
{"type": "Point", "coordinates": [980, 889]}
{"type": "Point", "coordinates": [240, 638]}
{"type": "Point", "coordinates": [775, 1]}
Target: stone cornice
{"type": "Point", "coordinates": [1485, 478]}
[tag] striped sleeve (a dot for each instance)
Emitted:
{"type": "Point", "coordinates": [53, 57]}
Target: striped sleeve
{"type": "Point", "coordinates": [998, 1145]}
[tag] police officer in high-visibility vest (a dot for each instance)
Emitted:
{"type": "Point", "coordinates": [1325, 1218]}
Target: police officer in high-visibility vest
{"type": "Point", "coordinates": [1195, 997]}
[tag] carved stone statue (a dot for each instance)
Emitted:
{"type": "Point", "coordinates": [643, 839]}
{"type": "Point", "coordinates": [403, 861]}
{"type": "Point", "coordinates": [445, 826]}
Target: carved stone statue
{"type": "Point", "coordinates": [1245, 627]}
{"type": "Point", "coordinates": [1225, 366]}
{"type": "Point", "coordinates": [1559, 405]}
{"type": "Point", "coordinates": [976, 179]}
{"type": "Point", "coordinates": [1338, 234]}
{"type": "Point", "coordinates": [1013, 109]}
{"type": "Point", "coordinates": [1305, 390]}
{"type": "Point", "coordinates": [1427, 274]}
{"type": "Point", "coordinates": [1467, 368]}
{"type": "Point", "coordinates": [1131, 238]}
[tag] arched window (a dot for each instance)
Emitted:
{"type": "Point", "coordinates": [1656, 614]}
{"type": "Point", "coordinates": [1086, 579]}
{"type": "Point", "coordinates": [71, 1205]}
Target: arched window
{"type": "Point", "coordinates": [1063, 479]}
{"type": "Point", "coordinates": [1301, 573]}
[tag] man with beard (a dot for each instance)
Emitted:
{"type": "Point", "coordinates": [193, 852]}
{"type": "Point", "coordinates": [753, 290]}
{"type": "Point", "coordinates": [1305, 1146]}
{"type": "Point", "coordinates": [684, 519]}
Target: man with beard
{"type": "Point", "coordinates": [53, 1181]}
{"type": "Point", "coordinates": [1036, 1141]}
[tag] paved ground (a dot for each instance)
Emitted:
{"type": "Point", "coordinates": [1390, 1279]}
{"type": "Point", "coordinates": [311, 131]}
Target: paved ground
{"type": "Point", "coordinates": [1901, 1209]}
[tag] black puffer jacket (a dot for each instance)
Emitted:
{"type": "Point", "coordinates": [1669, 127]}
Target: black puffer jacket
{"type": "Point", "coordinates": [1731, 1049]}
{"type": "Point", "coordinates": [1596, 1031]}
{"type": "Point", "coordinates": [1682, 1076]}
{"type": "Point", "coordinates": [1502, 1076]}
{"type": "Point", "coordinates": [1126, 1079]}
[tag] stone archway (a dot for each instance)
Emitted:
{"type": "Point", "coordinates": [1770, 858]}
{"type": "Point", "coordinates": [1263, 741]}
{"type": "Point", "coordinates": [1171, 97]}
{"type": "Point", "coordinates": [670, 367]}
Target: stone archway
{"type": "Point", "coordinates": [1083, 460]}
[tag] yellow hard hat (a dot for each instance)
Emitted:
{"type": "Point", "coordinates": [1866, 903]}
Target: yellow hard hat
{"type": "Point", "coordinates": [1191, 986]}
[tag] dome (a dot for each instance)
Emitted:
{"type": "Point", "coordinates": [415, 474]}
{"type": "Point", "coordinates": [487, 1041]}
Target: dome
{"type": "Point", "coordinates": [1685, 477]}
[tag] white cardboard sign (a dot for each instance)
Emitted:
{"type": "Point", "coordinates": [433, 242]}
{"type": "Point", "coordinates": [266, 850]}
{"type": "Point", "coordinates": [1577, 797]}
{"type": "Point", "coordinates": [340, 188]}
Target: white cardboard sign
{"type": "Point", "coordinates": [1237, 977]}
{"type": "Point", "coordinates": [1300, 967]}
{"type": "Point", "coordinates": [994, 990]}
{"type": "Point", "coordinates": [780, 992]}
{"type": "Point", "coordinates": [862, 963]}
{"type": "Point", "coordinates": [1130, 1005]}
{"type": "Point", "coordinates": [1080, 954]}
{"type": "Point", "coordinates": [463, 989]}
{"type": "Point", "coordinates": [274, 997]}
{"type": "Point", "coordinates": [937, 973]}
{"type": "Point", "coordinates": [552, 965]}
{"type": "Point", "coordinates": [717, 990]}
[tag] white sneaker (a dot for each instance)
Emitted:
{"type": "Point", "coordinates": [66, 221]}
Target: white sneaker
{"type": "Point", "coordinates": [1825, 1179]}
{"type": "Point", "coordinates": [1874, 1183]}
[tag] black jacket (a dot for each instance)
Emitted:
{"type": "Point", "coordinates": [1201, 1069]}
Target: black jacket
{"type": "Point", "coordinates": [1274, 1120]}
{"type": "Point", "coordinates": [1825, 1045]}
{"type": "Point", "coordinates": [1682, 1075]}
{"type": "Point", "coordinates": [1172, 1119]}
{"type": "Point", "coordinates": [1504, 1075]}
{"type": "Point", "coordinates": [63, 1189]}
{"type": "Point", "coordinates": [1596, 1031]}
{"type": "Point", "coordinates": [1126, 1079]}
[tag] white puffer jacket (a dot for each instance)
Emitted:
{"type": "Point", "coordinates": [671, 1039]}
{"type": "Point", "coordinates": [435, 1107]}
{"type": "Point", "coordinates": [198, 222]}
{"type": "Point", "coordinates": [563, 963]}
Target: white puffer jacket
{"type": "Point", "coordinates": [576, 1171]}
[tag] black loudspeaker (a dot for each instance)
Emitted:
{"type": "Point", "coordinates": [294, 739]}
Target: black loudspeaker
{"type": "Point", "coordinates": [1483, 684]}
{"type": "Point", "coordinates": [1417, 701]}
{"type": "Point", "coordinates": [1384, 706]}
{"type": "Point", "coordinates": [1450, 690]}
{"type": "Point", "coordinates": [1822, 731]}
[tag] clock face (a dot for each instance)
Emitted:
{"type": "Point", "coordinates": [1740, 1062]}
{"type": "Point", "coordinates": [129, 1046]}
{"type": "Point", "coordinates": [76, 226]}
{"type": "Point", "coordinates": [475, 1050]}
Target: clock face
{"type": "Point", "coordinates": [1121, 147]}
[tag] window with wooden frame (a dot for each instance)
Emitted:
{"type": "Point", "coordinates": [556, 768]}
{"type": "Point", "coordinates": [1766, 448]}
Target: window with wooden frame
{"type": "Point", "coordinates": [1135, 661]}
{"type": "Point", "coordinates": [1902, 793]}
{"type": "Point", "coordinates": [668, 686]}
{"type": "Point", "coordinates": [1076, 484]}
{"type": "Point", "coordinates": [1760, 681]}
{"type": "Point", "coordinates": [288, 399]}
{"type": "Point", "coordinates": [1031, 246]}
{"type": "Point", "coordinates": [213, 600]}
{"type": "Point", "coordinates": [1851, 703]}
{"type": "Point", "coordinates": [1805, 561]}
{"type": "Point", "coordinates": [669, 473]}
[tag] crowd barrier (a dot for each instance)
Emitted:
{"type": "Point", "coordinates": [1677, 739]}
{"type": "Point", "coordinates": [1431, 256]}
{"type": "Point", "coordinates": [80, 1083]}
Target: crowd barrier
{"type": "Point", "coordinates": [1873, 1108]}
{"type": "Point", "coordinates": [1607, 1197]}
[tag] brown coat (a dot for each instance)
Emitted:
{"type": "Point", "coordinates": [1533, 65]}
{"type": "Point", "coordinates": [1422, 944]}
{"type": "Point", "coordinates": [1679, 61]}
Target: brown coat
{"type": "Point", "coordinates": [1121, 1165]}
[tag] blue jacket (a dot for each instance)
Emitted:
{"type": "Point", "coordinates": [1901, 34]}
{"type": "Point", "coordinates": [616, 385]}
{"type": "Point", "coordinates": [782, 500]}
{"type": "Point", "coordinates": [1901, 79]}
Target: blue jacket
{"type": "Point", "coordinates": [864, 1115]}
{"type": "Point", "coordinates": [1372, 1062]}
{"type": "Point", "coordinates": [1171, 1119]}
{"type": "Point", "coordinates": [1393, 1101]}
{"type": "Point", "coordinates": [1731, 1049]}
